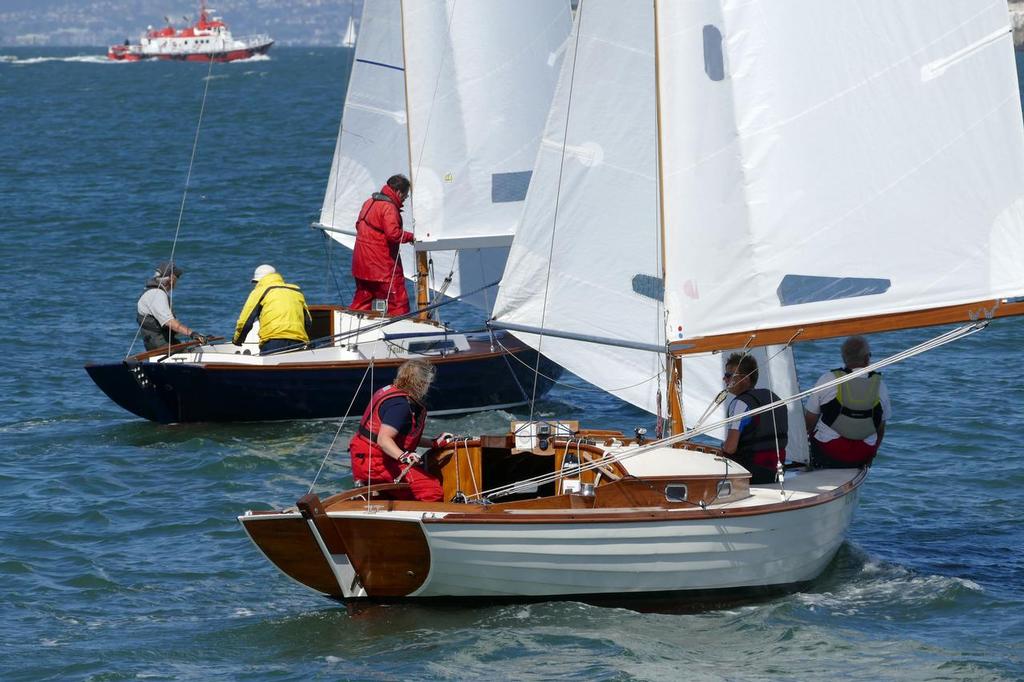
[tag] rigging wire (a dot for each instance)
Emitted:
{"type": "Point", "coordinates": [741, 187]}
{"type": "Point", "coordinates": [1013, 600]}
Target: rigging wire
{"type": "Point", "coordinates": [593, 389]}
{"type": "Point", "coordinates": [341, 336]}
{"type": "Point", "coordinates": [341, 426]}
{"type": "Point", "coordinates": [940, 340]}
{"type": "Point", "coordinates": [181, 209]}
{"type": "Point", "coordinates": [558, 196]}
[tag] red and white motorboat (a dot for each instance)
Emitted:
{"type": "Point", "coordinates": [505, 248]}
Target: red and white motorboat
{"type": "Point", "coordinates": [207, 39]}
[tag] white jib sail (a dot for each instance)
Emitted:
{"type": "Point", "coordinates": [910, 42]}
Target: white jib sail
{"type": "Point", "coordinates": [586, 259]}
{"type": "Point", "coordinates": [819, 175]}
{"type": "Point", "coordinates": [479, 82]}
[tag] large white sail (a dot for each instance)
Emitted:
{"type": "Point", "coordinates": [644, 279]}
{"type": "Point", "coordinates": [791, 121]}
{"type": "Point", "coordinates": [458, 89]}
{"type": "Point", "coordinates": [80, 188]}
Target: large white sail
{"type": "Point", "coordinates": [586, 259]}
{"type": "Point", "coordinates": [821, 175]}
{"type": "Point", "coordinates": [479, 82]}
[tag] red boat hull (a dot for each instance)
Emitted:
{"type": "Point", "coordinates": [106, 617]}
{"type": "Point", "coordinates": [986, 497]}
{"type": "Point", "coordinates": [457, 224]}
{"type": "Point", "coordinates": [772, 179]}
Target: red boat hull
{"type": "Point", "coordinates": [230, 56]}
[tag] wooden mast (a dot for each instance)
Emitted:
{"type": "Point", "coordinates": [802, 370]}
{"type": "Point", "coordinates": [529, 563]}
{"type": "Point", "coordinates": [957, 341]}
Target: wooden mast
{"type": "Point", "coordinates": [868, 324]}
{"type": "Point", "coordinates": [673, 364]}
{"type": "Point", "coordinates": [422, 268]}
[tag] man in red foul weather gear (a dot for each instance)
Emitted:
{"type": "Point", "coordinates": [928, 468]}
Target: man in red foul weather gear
{"type": "Point", "coordinates": [376, 264]}
{"type": "Point", "coordinates": [383, 448]}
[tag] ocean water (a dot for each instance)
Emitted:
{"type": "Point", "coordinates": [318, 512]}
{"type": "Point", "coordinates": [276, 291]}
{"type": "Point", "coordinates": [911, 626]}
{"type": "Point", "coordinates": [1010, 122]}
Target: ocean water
{"type": "Point", "coordinates": [120, 556]}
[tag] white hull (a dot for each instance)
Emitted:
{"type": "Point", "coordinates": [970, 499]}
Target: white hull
{"type": "Point", "coordinates": [772, 539]}
{"type": "Point", "coordinates": [782, 548]}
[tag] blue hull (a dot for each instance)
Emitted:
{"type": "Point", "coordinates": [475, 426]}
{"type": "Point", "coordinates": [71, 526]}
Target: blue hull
{"type": "Point", "coordinates": [168, 393]}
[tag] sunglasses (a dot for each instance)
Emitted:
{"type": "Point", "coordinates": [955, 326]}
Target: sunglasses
{"type": "Point", "coordinates": [728, 375]}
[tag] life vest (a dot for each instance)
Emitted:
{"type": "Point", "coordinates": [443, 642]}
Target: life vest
{"type": "Point", "coordinates": [148, 323]}
{"type": "Point", "coordinates": [760, 433]}
{"type": "Point", "coordinates": [856, 411]}
{"type": "Point", "coordinates": [374, 198]}
{"type": "Point", "coordinates": [365, 439]}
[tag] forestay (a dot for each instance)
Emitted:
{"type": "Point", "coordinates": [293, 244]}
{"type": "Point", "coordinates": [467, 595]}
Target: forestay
{"type": "Point", "coordinates": [821, 175]}
{"type": "Point", "coordinates": [586, 259]}
{"type": "Point", "coordinates": [479, 82]}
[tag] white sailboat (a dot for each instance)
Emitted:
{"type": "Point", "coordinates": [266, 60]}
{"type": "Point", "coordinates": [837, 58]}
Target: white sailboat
{"type": "Point", "coordinates": [798, 186]}
{"type": "Point", "coordinates": [349, 39]}
{"type": "Point", "coordinates": [479, 84]}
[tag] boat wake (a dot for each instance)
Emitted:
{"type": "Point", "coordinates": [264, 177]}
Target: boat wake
{"type": "Point", "coordinates": [882, 582]}
{"type": "Point", "coordinates": [249, 60]}
{"type": "Point", "coordinates": [81, 59]}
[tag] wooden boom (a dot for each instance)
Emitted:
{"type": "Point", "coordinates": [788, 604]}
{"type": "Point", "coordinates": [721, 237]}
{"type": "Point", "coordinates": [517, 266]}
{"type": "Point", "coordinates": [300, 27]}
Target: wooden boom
{"type": "Point", "coordinates": [870, 324]}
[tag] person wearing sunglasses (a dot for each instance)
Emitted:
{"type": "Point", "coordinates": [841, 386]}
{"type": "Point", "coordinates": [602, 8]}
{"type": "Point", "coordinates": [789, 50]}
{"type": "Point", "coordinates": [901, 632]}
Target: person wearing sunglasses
{"type": "Point", "coordinates": [756, 442]}
{"type": "Point", "coordinates": [846, 423]}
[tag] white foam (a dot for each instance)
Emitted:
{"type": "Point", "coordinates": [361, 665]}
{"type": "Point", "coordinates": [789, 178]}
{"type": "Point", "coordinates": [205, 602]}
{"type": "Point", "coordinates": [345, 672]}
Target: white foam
{"type": "Point", "coordinates": [78, 59]}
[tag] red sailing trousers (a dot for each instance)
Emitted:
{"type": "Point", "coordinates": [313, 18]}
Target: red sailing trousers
{"type": "Point", "coordinates": [394, 291]}
{"type": "Point", "coordinates": [423, 486]}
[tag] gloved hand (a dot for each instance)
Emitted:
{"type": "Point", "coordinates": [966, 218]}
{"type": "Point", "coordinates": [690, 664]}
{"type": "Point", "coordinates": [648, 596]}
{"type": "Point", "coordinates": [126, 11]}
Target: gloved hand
{"type": "Point", "coordinates": [410, 458]}
{"type": "Point", "coordinates": [201, 338]}
{"type": "Point", "coordinates": [443, 439]}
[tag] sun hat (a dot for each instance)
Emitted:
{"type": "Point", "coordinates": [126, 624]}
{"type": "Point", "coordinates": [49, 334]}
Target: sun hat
{"type": "Point", "coordinates": [262, 271]}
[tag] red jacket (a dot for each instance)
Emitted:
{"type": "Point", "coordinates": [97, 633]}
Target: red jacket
{"type": "Point", "coordinates": [364, 442]}
{"type": "Point", "coordinates": [378, 234]}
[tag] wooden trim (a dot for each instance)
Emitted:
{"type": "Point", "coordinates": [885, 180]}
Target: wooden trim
{"type": "Point", "coordinates": [859, 325]}
{"type": "Point", "coordinates": [422, 286]}
{"type": "Point", "coordinates": [677, 420]}
{"type": "Point", "coordinates": [289, 545]}
{"type": "Point", "coordinates": [360, 493]}
{"type": "Point", "coordinates": [163, 350]}
{"type": "Point", "coordinates": [391, 558]}
{"type": "Point", "coordinates": [346, 364]}
{"type": "Point", "coordinates": [313, 510]}
{"type": "Point", "coordinates": [652, 513]}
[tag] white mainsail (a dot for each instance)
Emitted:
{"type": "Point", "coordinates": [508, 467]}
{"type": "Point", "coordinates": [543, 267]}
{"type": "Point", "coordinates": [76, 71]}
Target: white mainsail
{"type": "Point", "coordinates": [883, 174]}
{"type": "Point", "coordinates": [479, 79]}
{"type": "Point", "coordinates": [586, 260]}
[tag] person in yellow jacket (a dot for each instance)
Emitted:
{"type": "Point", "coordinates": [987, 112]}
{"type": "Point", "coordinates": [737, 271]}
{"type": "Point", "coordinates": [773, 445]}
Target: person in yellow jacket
{"type": "Point", "coordinates": [281, 310]}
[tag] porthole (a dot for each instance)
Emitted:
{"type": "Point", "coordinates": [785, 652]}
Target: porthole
{"type": "Point", "coordinates": [676, 492]}
{"type": "Point", "coordinates": [724, 489]}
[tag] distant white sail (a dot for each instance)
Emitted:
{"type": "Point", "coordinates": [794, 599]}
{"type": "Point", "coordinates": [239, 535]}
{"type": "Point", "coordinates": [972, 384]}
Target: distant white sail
{"type": "Point", "coordinates": [349, 40]}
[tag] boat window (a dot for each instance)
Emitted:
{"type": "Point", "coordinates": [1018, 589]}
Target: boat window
{"type": "Point", "coordinates": [432, 346]}
{"type": "Point", "coordinates": [714, 61]}
{"type": "Point", "coordinates": [508, 187]}
{"type": "Point", "coordinates": [798, 289]}
{"type": "Point", "coordinates": [724, 488]}
{"type": "Point", "coordinates": [675, 492]}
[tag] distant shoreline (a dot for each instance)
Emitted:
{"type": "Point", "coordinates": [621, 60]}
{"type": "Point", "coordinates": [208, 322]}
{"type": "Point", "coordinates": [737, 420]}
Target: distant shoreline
{"type": "Point", "coordinates": [1016, 9]}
